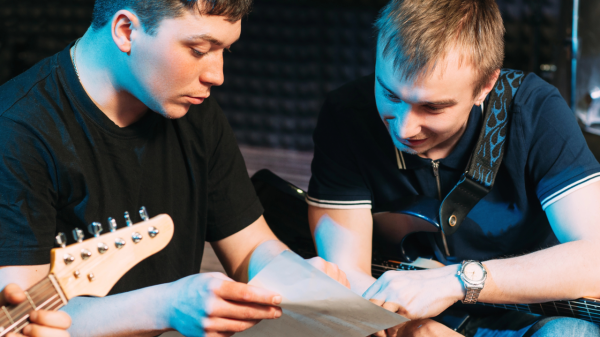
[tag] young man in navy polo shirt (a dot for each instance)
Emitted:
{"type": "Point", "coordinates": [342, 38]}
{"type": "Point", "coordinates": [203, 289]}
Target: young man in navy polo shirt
{"type": "Point", "coordinates": [410, 129]}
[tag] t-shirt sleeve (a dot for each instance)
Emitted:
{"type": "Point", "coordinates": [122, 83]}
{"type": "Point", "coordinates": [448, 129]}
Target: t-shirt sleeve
{"type": "Point", "coordinates": [232, 201]}
{"type": "Point", "coordinates": [336, 181]}
{"type": "Point", "coordinates": [559, 159]}
{"type": "Point", "coordinates": [27, 196]}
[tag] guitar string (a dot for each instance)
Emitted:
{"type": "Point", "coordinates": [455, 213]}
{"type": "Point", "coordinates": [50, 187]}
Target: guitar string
{"type": "Point", "coordinates": [57, 304]}
{"type": "Point", "coordinates": [48, 305]}
{"type": "Point", "coordinates": [563, 306]}
{"type": "Point", "coordinates": [39, 292]}
{"type": "Point", "coordinates": [14, 311]}
{"type": "Point", "coordinates": [25, 308]}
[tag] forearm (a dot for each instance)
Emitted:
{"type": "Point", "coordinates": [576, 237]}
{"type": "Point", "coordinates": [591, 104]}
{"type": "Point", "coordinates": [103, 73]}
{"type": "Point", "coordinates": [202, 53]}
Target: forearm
{"type": "Point", "coordinates": [141, 312]}
{"type": "Point", "coordinates": [349, 248]}
{"type": "Point", "coordinates": [262, 255]}
{"type": "Point", "coordinates": [565, 271]}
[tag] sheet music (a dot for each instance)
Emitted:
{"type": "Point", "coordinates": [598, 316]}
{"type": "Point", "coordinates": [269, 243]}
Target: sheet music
{"type": "Point", "coordinates": [314, 304]}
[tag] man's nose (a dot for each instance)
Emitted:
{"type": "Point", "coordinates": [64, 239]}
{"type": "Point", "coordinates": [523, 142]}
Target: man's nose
{"type": "Point", "coordinates": [212, 74]}
{"type": "Point", "coordinates": [407, 124]}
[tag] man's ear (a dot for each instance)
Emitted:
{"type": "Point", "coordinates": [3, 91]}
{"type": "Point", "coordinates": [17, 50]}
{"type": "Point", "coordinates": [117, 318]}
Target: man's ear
{"type": "Point", "coordinates": [487, 88]}
{"type": "Point", "coordinates": [124, 27]}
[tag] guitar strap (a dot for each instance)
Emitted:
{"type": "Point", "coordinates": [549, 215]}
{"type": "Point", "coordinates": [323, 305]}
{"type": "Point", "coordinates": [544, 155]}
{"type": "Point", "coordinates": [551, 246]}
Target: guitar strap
{"type": "Point", "coordinates": [480, 174]}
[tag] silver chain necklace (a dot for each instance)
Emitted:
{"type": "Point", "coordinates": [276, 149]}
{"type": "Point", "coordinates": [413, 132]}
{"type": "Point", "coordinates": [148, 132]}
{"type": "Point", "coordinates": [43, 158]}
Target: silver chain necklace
{"type": "Point", "coordinates": [74, 58]}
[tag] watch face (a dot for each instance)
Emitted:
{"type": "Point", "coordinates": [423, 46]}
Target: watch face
{"type": "Point", "coordinates": [473, 272]}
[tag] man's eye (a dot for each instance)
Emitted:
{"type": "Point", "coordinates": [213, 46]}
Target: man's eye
{"type": "Point", "coordinates": [198, 53]}
{"type": "Point", "coordinates": [434, 108]}
{"type": "Point", "coordinates": [392, 97]}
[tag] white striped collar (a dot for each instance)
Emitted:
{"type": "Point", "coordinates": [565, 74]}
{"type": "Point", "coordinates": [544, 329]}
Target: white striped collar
{"type": "Point", "coordinates": [400, 159]}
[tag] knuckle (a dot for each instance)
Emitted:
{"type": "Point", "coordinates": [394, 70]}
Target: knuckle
{"type": "Point", "coordinates": [210, 306]}
{"type": "Point", "coordinates": [247, 295]}
{"type": "Point", "coordinates": [248, 313]}
{"type": "Point", "coordinates": [207, 324]}
{"type": "Point", "coordinates": [214, 285]}
{"type": "Point", "coordinates": [239, 327]}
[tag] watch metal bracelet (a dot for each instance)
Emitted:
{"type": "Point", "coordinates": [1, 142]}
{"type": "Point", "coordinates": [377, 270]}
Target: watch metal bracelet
{"type": "Point", "coordinates": [472, 295]}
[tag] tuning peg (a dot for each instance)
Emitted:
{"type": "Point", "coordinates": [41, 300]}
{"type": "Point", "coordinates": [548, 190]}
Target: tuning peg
{"type": "Point", "coordinates": [144, 214]}
{"type": "Point", "coordinates": [95, 228]}
{"type": "Point", "coordinates": [112, 224]}
{"type": "Point", "coordinates": [61, 240]}
{"type": "Point", "coordinates": [78, 235]}
{"type": "Point", "coordinates": [127, 219]}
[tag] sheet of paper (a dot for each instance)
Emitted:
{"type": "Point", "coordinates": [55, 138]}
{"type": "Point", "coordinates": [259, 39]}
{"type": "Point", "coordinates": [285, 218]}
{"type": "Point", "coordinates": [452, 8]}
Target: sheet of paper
{"type": "Point", "coordinates": [314, 304]}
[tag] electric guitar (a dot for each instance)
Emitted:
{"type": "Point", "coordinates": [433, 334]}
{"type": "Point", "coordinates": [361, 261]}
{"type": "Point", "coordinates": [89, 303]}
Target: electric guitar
{"type": "Point", "coordinates": [398, 241]}
{"type": "Point", "coordinates": [89, 267]}
{"type": "Point", "coordinates": [419, 214]}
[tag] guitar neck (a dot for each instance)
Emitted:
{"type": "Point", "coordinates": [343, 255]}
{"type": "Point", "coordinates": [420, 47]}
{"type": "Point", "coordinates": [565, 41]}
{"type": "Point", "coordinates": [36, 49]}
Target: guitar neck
{"type": "Point", "coordinates": [587, 309]}
{"type": "Point", "coordinates": [45, 295]}
{"type": "Point", "coordinates": [584, 308]}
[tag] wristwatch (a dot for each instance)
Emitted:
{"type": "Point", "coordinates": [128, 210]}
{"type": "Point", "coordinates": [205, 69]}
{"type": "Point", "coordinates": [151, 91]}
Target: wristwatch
{"type": "Point", "coordinates": [473, 275]}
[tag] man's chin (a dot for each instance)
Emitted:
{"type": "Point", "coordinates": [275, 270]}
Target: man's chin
{"type": "Point", "coordinates": [175, 111]}
{"type": "Point", "coordinates": [405, 149]}
{"type": "Point", "coordinates": [412, 150]}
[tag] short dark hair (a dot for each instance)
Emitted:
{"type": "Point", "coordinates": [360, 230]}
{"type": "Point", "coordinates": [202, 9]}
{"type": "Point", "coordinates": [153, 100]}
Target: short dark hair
{"type": "Point", "coordinates": [417, 34]}
{"type": "Point", "coordinates": [151, 12]}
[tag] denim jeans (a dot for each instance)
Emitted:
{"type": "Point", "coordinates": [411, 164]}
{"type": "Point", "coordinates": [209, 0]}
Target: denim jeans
{"type": "Point", "coordinates": [516, 324]}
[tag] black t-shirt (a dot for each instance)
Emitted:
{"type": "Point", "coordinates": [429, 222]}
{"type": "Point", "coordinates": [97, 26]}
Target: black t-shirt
{"type": "Point", "coordinates": [64, 164]}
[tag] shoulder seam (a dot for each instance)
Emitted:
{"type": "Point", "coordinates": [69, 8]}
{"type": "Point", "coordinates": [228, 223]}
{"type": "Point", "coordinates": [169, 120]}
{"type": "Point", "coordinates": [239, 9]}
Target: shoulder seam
{"type": "Point", "coordinates": [54, 167]}
{"type": "Point", "coordinates": [27, 92]}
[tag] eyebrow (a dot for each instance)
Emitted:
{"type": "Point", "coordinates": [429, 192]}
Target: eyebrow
{"type": "Point", "coordinates": [208, 38]}
{"type": "Point", "coordinates": [442, 102]}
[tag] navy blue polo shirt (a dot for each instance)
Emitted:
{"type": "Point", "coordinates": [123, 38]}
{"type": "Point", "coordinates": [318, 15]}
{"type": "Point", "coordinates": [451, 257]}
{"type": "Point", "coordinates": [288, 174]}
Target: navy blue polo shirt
{"type": "Point", "coordinates": [356, 165]}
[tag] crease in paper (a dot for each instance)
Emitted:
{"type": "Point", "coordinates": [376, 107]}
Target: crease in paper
{"type": "Point", "coordinates": [314, 304]}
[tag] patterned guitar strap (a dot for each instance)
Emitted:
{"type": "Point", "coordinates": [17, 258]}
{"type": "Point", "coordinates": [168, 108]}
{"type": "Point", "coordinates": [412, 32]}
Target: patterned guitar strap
{"type": "Point", "coordinates": [487, 154]}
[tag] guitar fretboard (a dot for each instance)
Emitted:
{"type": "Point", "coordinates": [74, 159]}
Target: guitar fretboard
{"type": "Point", "coordinates": [584, 308]}
{"type": "Point", "coordinates": [43, 295]}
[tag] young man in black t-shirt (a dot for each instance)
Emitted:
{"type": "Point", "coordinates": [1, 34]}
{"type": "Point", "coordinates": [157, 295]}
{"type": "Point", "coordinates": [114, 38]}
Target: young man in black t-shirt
{"type": "Point", "coordinates": [121, 119]}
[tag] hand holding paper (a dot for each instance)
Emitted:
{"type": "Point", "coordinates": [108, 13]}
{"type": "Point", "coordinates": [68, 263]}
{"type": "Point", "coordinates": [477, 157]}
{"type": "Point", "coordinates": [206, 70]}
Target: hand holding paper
{"type": "Point", "coordinates": [314, 304]}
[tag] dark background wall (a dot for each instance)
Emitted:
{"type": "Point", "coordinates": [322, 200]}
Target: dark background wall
{"type": "Point", "coordinates": [291, 53]}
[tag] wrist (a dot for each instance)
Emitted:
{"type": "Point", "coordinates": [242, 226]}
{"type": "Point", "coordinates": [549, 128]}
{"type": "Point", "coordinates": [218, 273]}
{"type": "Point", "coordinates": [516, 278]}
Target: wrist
{"type": "Point", "coordinates": [168, 297]}
{"type": "Point", "coordinates": [457, 287]}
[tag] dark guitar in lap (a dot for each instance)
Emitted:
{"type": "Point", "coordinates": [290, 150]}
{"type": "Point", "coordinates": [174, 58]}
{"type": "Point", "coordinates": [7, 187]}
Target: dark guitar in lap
{"type": "Point", "coordinates": [406, 247]}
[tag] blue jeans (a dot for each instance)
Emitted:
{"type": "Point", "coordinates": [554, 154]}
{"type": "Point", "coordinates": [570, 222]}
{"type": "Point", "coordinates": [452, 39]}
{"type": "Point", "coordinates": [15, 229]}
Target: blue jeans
{"type": "Point", "coordinates": [516, 324]}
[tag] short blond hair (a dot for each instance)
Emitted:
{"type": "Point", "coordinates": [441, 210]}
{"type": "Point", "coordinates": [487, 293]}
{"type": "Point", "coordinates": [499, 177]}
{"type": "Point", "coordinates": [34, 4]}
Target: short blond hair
{"type": "Point", "coordinates": [418, 34]}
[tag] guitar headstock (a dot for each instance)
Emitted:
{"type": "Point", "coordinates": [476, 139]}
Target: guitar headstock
{"type": "Point", "coordinates": [92, 267]}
